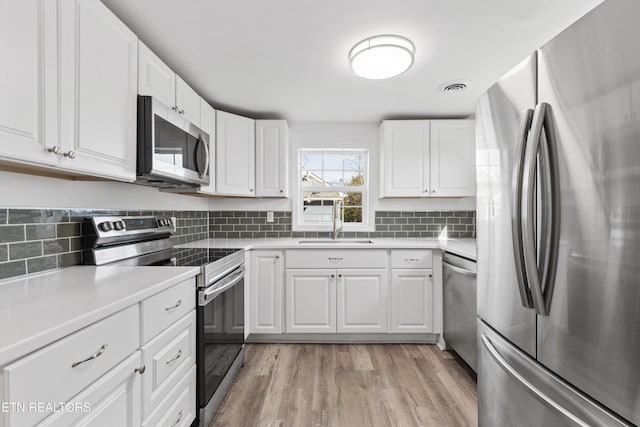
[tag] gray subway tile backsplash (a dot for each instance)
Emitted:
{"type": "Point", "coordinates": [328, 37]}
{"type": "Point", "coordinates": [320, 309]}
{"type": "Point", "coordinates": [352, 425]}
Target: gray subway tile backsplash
{"type": "Point", "coordinates": [34, 240]}
{"type": "Point", "coordinates": [399, 224]}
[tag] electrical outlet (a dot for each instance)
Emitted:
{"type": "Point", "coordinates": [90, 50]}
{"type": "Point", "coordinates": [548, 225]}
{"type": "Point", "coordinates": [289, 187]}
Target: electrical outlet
{"type": "Point", "coordinates": [270, 216]}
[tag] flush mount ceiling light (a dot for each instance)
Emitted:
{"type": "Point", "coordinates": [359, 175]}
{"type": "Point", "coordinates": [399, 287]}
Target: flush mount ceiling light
{"type": "Point", "coordinates": [381, 57]}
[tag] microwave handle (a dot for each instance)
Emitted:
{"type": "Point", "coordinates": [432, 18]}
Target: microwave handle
{"type": "Point", "coordinates": [206, 149]}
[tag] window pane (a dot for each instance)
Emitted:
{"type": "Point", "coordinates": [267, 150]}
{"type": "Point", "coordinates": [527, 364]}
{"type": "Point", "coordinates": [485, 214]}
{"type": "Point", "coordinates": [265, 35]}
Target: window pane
{"type": "Point", "coordinates": [352, 215]}
{"type": "Point", "coordinates": [333, 178]}
{"type": "Point", "coordinates": [352, 199]}
{"type": "Point", "coordinates": [311, 161]}
{"type": "Point", "coordinates": [353, 178]}
{"type": "Point", "coordinates": [312, 178]}
{"type": "Point", "coordinates": [343, 161]}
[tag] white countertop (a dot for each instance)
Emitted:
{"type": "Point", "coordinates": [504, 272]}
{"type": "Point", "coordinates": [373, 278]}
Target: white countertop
{"type": "Point", "coordinates": [463, 247]}
{"type": "Point", "coordinates": [37, 310]}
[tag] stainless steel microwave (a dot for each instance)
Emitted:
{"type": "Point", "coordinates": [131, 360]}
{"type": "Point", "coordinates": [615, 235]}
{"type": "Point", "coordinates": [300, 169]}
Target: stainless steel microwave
{"type": "Point", "coordinates": [172, 152]}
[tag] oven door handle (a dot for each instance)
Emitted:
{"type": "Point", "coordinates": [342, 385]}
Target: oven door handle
{"type": "Point", "coordinates": [207, 295]}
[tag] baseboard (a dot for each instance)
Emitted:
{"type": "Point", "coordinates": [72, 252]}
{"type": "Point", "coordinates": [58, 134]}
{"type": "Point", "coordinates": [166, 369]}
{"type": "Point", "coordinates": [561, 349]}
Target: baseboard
{"type": "Point", "coordinates": [345, 338]}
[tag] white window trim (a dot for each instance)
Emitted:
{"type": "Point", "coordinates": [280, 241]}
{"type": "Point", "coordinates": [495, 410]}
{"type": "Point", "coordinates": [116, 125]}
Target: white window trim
{"type": "Point", "coordinates": [368, 224]}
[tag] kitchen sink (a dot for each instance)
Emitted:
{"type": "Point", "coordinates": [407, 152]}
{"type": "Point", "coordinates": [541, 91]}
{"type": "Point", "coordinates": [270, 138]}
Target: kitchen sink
{"type": "Point", "coordinates": [335, 242]}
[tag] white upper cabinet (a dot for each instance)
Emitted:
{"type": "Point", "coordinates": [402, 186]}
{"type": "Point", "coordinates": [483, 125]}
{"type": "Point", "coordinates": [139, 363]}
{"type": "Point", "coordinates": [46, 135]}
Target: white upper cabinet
{"type": "Point", "coordinates": [427, 158]}
{"type": "Point", "coordinates": [98, 78]}
{"type": "Point", "coordinates": [272, 158]}
{"type": "Point", "coordinates": [404, 156]}
{"type": "Point", "coordinates": [453, 160]}
{"type": "Point", "coordinates": [235, 155]}
{"type": "Point", "coordinates": [28, 28]}
{"type": "Point", "coordinates": [187, 101]}
{"type": "Point", "coordinates": [208, 125]}
{"type": "Point", "coordinates": [155, 78]}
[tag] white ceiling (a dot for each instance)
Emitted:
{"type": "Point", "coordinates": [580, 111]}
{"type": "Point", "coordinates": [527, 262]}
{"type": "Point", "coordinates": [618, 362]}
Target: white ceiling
{"type": "Point", "coordinates": [288, 58]}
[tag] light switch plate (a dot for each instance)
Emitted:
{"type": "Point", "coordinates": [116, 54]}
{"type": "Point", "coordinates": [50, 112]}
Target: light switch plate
{"type": "Point", "coordinates": [269, 216]}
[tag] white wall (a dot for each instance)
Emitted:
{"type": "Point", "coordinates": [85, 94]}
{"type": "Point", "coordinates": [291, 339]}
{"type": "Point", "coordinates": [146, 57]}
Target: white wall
{"type": "Point", "coordinates": [19, 190]}
{"type": "Point", "coordinates": [340, 135]}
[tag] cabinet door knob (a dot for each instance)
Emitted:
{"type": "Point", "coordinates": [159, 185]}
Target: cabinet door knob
{"type": "Point", "coordinates": [277, 256]}
{"type": "Point", "coordinates": [251, 189]}
{"type": "Point", "coordinates": [181, 112]}
{"type": "Point", "coordinates": [431, 275]}
{"type": "Point", "coordinates": [70, 154]}
{"type": "Point", "coordinates": [140, 370]}
{"type": "Point", "coordinates": [339, 275]}
{"type": "Point", "coordinates": [282, 191]}
{"type": "Point", "coordinates": [426, 190]}
{"type": "Point", "coordinates": [175, 108]}
{"type": "Point", "coordinates": [55, 149]}
{"type": "Point", "coordinates": [433, 191]}
{"type": "Point", "coordinates": [333, 275]}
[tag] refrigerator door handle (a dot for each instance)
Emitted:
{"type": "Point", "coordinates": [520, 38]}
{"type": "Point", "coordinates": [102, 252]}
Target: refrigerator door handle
{"type": "Point", "coordinates": [541, 145]}
{"type": "Point", "coordinates": [550, 224]}
{"type": "Point", "coordinates": [516, 210]}
{"type": "Point", "coordinates": [529, 214]}
{"type": "Point", "coordinates": [550, 390]}
{"type": "Point", "coordinates": [512, 372]}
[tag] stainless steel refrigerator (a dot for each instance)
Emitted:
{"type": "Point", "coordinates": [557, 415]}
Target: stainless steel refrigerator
{"type": "Point", "coordinates": [558, 173]}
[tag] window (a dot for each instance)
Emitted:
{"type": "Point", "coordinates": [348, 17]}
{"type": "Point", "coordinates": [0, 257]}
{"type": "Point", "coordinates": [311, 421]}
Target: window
{"type": "Point", "coordinates": [327, 178]}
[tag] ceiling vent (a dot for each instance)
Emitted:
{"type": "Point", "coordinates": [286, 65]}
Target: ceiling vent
{"type": "Point", "coordinates": [454, 86]}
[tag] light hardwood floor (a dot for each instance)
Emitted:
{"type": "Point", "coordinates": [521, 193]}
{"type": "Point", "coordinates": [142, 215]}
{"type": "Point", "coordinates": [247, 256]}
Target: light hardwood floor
{"type": "Point", "coordinates": [349, 385]}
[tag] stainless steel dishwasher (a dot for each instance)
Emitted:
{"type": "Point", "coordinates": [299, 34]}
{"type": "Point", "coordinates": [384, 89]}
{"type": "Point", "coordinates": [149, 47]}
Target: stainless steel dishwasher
{"type": "Point", "coordinates": [459, 283]}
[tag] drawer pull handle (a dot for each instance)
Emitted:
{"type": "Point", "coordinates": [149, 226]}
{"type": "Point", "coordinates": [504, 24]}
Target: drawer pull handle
{"type": "Point", "coordinates": [173, 307]}
{"type": "Point", "coordinates": [412, 259]}
{"type": "Point", "coordinates": [178, 356]}
{"type": "Point", "coordinates": [140, 370]}
{"type": "Point", "coordinates": [175, 423]}
{"type": "Point", "coordinates": [335, 258]}
{"type": "Point", "coordinates": [93, 356]}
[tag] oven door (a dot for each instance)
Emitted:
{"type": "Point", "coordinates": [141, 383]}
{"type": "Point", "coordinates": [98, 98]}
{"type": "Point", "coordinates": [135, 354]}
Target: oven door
{"type": "Point", "coordinates": [170, 146]}
{"type": "Point", "coordinates": [220, 330]}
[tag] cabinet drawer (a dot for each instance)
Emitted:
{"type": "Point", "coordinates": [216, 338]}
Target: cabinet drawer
{"type": "Point", "coordinates": [167, 358]}
{"type": "Point", "coordinates": [340, 258]}
{"type": "Point", "coordinates": [113, 400]}
{"type": "Point", "coordinates": [411, 258]}
{"type": "Point", "coordinates": [61, 370]}
{"type": "Point", "coordinates": [178, 409]}
{"type": "Point", "coordinates": [164, 309]}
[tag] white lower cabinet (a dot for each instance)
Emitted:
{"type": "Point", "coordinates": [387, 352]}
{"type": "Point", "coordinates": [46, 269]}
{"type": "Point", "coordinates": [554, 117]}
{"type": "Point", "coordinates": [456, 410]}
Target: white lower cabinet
{"type": "Point", "coordinates": [411, 300]}
{"type": "Point", "coordinates": [267, 277]}
{"type": "Point", "coordinates": [167, 358]}
{"type": "Point", "coordinates": [101, 376]}
{"type": "Point", "coordinates": [362, 300]}
{"type": "Point", "coordinates": [326, 301]}
{"type": "Point", "coordinates": [178, 409]}
{"type": "Point", "coordinates": [113, 400]}
{"type": "Point", "coordinates": [311, 301]}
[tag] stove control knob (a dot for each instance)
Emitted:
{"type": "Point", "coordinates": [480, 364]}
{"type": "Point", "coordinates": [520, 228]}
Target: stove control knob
{"type": "Point", "coordinates": [163, 222]}
{"type": "Point", "coordinates": [118, 225]}
{"type": "Point", "coordinates": [105, 226]}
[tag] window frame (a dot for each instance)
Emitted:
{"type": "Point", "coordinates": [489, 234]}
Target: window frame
{"type": "Point", "coordinates": [298, 223]}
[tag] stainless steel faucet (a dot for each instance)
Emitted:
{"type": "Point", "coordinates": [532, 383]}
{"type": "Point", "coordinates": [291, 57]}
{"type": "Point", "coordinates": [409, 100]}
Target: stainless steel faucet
{"type": "Point", "coordinates": [336, 218]}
